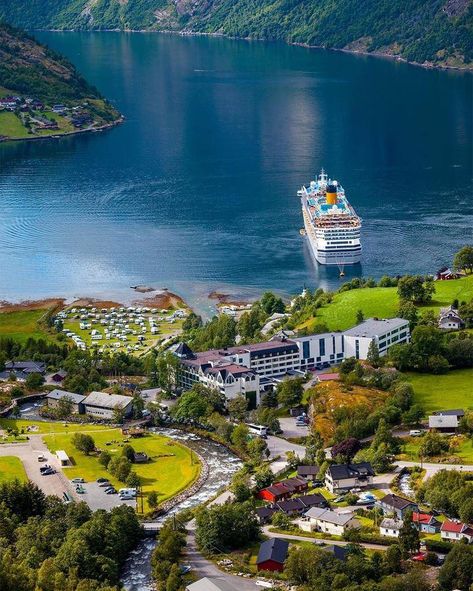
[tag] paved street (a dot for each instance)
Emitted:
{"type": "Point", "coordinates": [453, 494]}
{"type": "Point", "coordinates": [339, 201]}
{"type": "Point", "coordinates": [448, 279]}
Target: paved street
{"type": "Point", "coordinates": [278, 447]}
{"type": "Point", "coordinates": [271, 534]}
{"type": "Point", "coordinates": [289, 429]}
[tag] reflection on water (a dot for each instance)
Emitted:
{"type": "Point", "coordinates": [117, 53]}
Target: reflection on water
{"type": "Point", "coordinates": [222, 465]}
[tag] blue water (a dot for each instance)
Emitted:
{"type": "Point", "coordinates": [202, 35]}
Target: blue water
{"type": "Point", "coordinates": [197, 189]}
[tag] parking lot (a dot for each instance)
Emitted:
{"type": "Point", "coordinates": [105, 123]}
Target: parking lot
{"type": "Point", "coordinates": [96, 497]}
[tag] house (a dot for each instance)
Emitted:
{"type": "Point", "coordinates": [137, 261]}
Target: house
{"type": "Point", "coordinates": [102, 405]}
{"type": "Point", "coordinates": [390, 527]}
{"type": "Point", "coordinates": [77, 400]}
{"type": "Point", "coordinates": [341, 477]}
{"type": "Point", "coordinates": [140, 457]}
{"type": "Point", "coordinates": [291, 506]}
{"type": "Point", "coordinates": [450, 319]}
{"type": "Point", "coordinates": [307, 472]}
{"type": "Point", "coordinates": [57, 377]}
{"type": "Point", "coordinates": [426, 523]}
{"type": "Point", "coordinates": [445, 274]}
{"type": "Point", "coordinates": [211, 584]}
{"type": "Point", "coordinates": [280, 491]}
{"type": "Point", "coordinates": [327, 521]}
{"type": "Point", "coordinates": [453, 531]}
{"type": "Point", "coordinates": [272, 555]}
{"type": "Point", "coordinates": [264, 514]}
{"type": "Point", "coordinates": [26, 367]}
{"type": "Point", "coordinates": [398, 506]}
{"type": "Point", "coordinates": [314, 500]}
{"type": "Point", "coordinates": [446, 421]}
{"type": "Point", "coordinates": [340, 552]}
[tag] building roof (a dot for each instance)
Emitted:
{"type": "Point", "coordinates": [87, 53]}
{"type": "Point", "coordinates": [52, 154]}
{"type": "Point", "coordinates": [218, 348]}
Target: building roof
{"type": "Point", "coordinates": [60, 394]}
{"type": "Point", "coordinates": [307, 470]}
{"type": "Point", "coordinates": [372, 327]}
{"type": "Point", "coordinates": [104, 400]}
{"type": "Point", "coordinates": [338, 551]}
{"type": "Point", "coordinates": [263, 512]}
{"type": "Point", "coordinates": [456, 527]}
{"type": "Point", "coordinates": [293, 483]}
{"type": "Point", "coordinates": [291, 505]}
{"type": "Point", "coordinates": [211, 584]}
{"type": "Point", "coordinates": [313, 500]}
{"type": "Point", "coordinates": [274, 549]}
{"type": "Point", "coordinates": [26, 366]}
{"type": "Point", "coordinates": [397, 502]}
{"type": "Point", "coordinates": [456, 412]}
{"type": "Point", "coordinates": [443, 421]}
{"type": "Point", "coordinates": [393, 524]}
{"type": "Point", "coordinates": [329, 516]}
{"type": "Point", "coordinates": [424, 518]}
{"type": "Point", "coordinates": [347, 471]}
{"type": "Point", "coordinates": [277, 489]}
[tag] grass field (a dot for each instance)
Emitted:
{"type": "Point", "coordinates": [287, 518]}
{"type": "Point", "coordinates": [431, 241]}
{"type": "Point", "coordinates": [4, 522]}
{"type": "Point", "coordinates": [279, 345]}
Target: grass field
{"type": "Point", "coordinates": [23, 324]}
{"type": "Point", "coordinates": [172, 466]}
{"type": "Point", "coordinates": [442, 392]}
{"type": "Point", "coordinates": [11, 468]}
{"type": "Point", "coordinates": [383, 302]}
{"type": "Point", "coordinates": [44, 427]}
{"type": "Point", "coordinates": [11, 126]}
{"type": "Point", "coordinates": [463, 454]}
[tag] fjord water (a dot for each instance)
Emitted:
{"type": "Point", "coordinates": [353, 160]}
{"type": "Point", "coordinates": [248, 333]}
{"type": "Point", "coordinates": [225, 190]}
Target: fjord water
{"type": "Point", "coordinates": [197, 189]}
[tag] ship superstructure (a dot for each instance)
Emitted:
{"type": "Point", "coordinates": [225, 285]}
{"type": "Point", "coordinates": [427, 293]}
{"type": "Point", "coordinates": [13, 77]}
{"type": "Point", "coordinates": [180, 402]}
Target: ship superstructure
{"type": "Point", "coordinates": [331, 224]}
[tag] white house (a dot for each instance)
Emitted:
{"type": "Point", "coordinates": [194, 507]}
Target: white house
{"type": "Point", "coordinates": [454, 531]}
{"type": "Point", "coordinates": [446, 420]}
{"type": "Point", "coordinates": [340, 477]}
{"type": "Point", "coordinates": [102, 405]}
{"type": "Point", "coordinates": [390, 527]}
{"type": "Point", "coordinates": [450, 319]}
{"type": "Point", "coordinates": [385, 333]}
{"type": "Point", "coordinates": [327, 521]}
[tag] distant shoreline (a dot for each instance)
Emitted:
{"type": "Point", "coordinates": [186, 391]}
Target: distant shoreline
{"type": "Point", "coordinates": [57, 136]}
{"type": "Point", "coordinates": [378, 54]}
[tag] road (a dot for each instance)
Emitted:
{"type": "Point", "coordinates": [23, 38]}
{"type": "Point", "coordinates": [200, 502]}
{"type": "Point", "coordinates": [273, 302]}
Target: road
{"type": "Point", "coordinates": [271, 534]}
{"type": "Point", "coordinates": [431, 469]}
{"type": "Point", "coordinates": [289, 429]}
{"type": "Point", "coordinates": [202, 567]}
{"type": "Point", "coordinates": [54, 484]}
{"type": "Point", "coordinates": [278, 447]}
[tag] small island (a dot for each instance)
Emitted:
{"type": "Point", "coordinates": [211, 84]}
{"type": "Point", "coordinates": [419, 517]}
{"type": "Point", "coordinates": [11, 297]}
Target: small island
{"type": "Point", "coordinates": [42, 95]}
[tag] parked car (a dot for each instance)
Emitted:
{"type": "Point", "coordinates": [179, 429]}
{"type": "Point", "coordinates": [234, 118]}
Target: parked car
{"type": "Point", "coordinates": [415, 433]}
{"type": "Point", "coordinates": [110, 491]}
{"type": "Point", "coordinates": [78, 480]}
{"type": "Point", "coordinates": [48, 472]}
{"type": "Point", "coordinates": [102, 480]}
{"type": "Point", "coordinates": [44, 468]}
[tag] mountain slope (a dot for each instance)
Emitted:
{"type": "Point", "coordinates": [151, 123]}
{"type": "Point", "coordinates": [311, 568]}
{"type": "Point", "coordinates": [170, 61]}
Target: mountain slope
{"type": "Point", "coordinates": [433, 31]}
{"type": "Point", "coordinates": [29, 70]}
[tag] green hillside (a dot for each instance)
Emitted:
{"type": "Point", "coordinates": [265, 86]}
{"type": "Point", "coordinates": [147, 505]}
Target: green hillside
{"type": "Point", "coordinates": [425, 31]}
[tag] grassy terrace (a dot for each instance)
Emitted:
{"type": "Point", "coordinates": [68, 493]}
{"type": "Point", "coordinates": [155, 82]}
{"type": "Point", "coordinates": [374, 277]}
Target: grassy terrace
{"type": "Point", "coordinates": [383, 302]}
{"type": "Point", "coordinates": [11, 468]}
{"type": "Point", "coordinates": [171, 469]}
{"type": "Point", "coordinates": [462, 455]}
{"type": "Point", "coordinates": [23, 324]}
{"type": "Point", "coordinates": [440, 392]}
{"type": "Point", "coordinates": [43, 427]}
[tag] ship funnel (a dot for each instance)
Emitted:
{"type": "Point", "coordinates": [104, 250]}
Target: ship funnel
{"type": "Point", "coordinates": [331, 195]}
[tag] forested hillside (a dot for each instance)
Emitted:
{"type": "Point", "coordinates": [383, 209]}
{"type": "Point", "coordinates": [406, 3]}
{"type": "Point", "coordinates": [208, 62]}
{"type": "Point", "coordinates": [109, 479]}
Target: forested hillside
{"type": "Point", "coordinates": [424, 31]}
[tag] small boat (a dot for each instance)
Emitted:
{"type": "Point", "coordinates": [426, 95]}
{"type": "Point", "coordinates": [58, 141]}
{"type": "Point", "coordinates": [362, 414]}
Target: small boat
{"type": "Point", "coordinates": [302, 232]}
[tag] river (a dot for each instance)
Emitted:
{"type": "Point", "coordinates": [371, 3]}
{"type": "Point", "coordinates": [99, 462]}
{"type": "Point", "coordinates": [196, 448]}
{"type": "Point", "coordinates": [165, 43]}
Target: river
{"type": "Point", "coordinates": [222, 465]}
{"type": "Point", "coordinates": [197, 189]}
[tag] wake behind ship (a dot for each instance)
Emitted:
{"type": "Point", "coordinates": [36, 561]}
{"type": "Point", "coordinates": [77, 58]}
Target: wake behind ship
{"type": "Point", "coordinates": [331, 224]}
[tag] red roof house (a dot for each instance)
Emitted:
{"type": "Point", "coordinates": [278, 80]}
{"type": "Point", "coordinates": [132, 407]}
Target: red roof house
{"type": "Point", "coordinates": [453, 531]}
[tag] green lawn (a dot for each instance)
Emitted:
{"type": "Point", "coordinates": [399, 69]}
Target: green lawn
{"type": "Point", "coordinates": [464, 453]}
{"type": "Point", "coordinates": [383, 302]}
{"type": "Point", "coordinates": [11, 125]}
{"type": "Point", "coordinates": [23, 324]}
{"type": "Point", "coordinates": [11, 468]}
{"type": "Point", "coordinates": [442, 392]}
{"type": "Point", "coordinates": [45, 427]}
{"type": "Point", "coordinates": [172, 467]}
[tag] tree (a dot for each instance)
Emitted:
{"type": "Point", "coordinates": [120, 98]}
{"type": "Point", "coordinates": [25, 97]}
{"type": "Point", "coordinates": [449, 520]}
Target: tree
{"type": "Point", "coordinates": [240, 488]}
{"type": "Point", "coordinates": [272, 304]}
{"type": "Point", "coordinates": [168, 366]}
{"type": "Point", "coordinates": [269, 399]}
{"type": "Point", "coordinates": [360, 317]}
{"type": "Point", "coordinates": [83, 443]}
{"type": "Point", "coordinates": [263, 477]}
{"type": "Point", "coordinates": [373, 357]}
{"type": "Point", "coordinates": [133, 480]}
{"type": "Point", "coordinates": [346, 449]}
{"type": "Point", "coordinates": [222, 528]}
{"type": "Point", "coordinates": [392, 559]}
{"type": "Point", "coordinates": [128, 452]}
{"type": "Point", "coordinates": [433, 444]}
{"type": "Point", "coordinates": [281, 520]}
{"type": "Point", "coordinates": [190, 406]}
{"type": "Point", "coordinates": [240, 437]}
{"type": "Point", "coordinates": [173, 582]}
{"type": "Point", "coordinates": [64, 407]}
{"type": "Point", "coordinates": [256, 448]}
{"type": "Point", "coordinates": [118, 415]}
{"type": "Point", "coordinates": [408, 539]}
{"type": "Point", "coordinates": [104, 458]}
{"type": "Point", "coordinates": [152, 499]}
{"type": "Point", "coordinates": [466, 510]}
{"type": "Point", "coordinates": [408, 311]}
{"type": "Point", "coordinates": [290, 392]}
{"type": "Point", "coordinates": [237, 408]}
{"type": "Point", "coordinates": [34, 381]}
{"type": "Point", "coordinates": [415, 289]}
{"type": "Point", "coordinates": [413, 416]}
{"type": "Point", "coordinates": [138, 406]}
{"type": "Point", "coordinates": [119, 467]}
{"type": "Point", "coordinates": [463, 259]}
{"type": "Point", "coordinates": [457, 571]}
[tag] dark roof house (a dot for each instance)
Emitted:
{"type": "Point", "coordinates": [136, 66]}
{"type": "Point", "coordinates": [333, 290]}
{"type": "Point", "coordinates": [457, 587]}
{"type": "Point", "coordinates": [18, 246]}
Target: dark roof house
{"type": "Point", "coordinates": [272, 554]}
{"type": "Point", "coordinates": [397, 505]}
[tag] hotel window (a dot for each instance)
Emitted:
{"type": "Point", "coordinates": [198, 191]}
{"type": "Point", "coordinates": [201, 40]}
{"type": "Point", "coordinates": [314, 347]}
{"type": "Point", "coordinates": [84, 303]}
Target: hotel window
{"type": "Point", "coordinates": [305, 349]}
{"type": "Point", "coordinates": [322, 347]}
{"type": "Point", "coordinates": [357, 349]}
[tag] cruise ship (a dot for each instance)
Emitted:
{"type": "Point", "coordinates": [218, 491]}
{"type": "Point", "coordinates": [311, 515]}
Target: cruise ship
{"type": "Point", "coordinates": [331, 224]}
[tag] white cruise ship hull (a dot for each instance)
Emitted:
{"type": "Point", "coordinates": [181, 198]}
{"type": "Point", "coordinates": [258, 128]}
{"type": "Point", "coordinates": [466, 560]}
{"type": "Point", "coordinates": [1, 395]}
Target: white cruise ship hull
{"type": "Point", "coordinates": [338, 257]}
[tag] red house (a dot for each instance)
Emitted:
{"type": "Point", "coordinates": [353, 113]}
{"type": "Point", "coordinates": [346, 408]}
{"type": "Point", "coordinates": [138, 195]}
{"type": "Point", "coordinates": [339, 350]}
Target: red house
{"type": "Point", "coordinates": [272, 554]}
{"type": "Point", "coordinates": [282, 490]}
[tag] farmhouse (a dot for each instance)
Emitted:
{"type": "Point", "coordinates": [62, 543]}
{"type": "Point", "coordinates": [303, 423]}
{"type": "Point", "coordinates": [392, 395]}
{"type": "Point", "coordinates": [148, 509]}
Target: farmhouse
{"type": "Point", "coordinates": [103, 405]}
{"type": "Point", "coordinates": [390, 527]}
{"type": "Point", "coordinates": [327, 521]}
{"type": "Point", "coordinates": [446, 421]}
{"type": "Point", "coordinates": [77, 400]}
{"type": "Point", "coordinates": [341, 477]}
{"type": "Point", "coordinates": [450, 319]}
{"type": "Point", "coordinates": [398, 506]}
{"type": "Point", "coordinates": [454, 531]}
{"type": "Point", "coordinates": [272, 555]}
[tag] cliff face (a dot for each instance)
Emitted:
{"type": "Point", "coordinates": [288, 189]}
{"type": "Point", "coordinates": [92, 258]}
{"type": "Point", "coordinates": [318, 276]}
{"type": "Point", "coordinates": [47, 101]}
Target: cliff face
{"type": "Point", "coordinates": [425, 31]}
